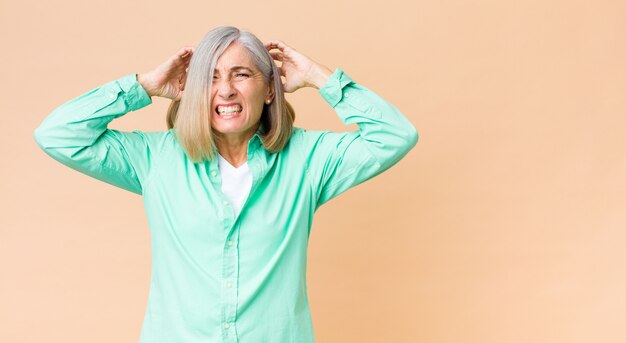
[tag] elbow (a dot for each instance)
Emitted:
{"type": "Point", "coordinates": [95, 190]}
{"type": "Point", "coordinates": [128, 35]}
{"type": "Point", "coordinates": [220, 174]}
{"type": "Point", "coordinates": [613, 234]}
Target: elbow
{"type": "Point", "coordinates": [50, 131]}
{"type": "Point", "coordinates": [56, 146]}
{"type": "Point", "coordinates": [406, 135]}
{"type": "Point", "coordinates": [406, 142]}
{"type": "Point", "coordinates": [43, 139]}
{"type": "Point", "coordinates": [408, 138]}
{"type": "Point", "coordinates": [394, 147]}
{"type": "Point", "coordinates": [48, 138]}
{"type": "Point", "coordinates": [44, 136]}
{"type": "Point", "coordinates": [52, 134]}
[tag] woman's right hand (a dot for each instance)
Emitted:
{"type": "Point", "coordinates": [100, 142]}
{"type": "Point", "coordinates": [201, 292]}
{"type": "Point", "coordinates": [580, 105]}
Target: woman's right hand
{"type": "Point", "coordinates": [168, 79]}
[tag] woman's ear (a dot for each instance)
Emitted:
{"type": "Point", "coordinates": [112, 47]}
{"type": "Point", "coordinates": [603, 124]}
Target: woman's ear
{"type": "Point", "coordinates": [270, 91]}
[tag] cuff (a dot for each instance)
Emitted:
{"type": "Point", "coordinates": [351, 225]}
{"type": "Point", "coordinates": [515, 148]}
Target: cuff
{"type": "Point", "coordinates": [331, 91]}
{"type": "Point", "coordinates": [136, 96]}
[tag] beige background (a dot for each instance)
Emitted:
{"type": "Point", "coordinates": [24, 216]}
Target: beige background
{"type": "Point", "coordinates": [506, 223]}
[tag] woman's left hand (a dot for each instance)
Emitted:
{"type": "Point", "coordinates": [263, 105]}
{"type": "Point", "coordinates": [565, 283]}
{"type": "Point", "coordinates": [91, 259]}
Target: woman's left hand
{"type": "Point", "coordinates": [299, 71]}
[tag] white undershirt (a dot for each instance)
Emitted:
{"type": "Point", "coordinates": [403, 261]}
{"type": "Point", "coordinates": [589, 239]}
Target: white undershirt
{"type": "Point", "coordinates": [236, 182]}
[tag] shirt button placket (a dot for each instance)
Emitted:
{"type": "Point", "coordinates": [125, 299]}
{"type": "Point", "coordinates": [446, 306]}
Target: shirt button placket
{"type": "Point", "coordinates": [230, 272]}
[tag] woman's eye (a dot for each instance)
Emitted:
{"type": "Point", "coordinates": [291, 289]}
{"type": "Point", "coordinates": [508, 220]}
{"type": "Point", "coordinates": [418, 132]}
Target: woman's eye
{"type": "Point", "coordinates": [238, 75]}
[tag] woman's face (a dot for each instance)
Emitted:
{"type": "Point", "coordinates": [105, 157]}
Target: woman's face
{"type": "Point", "coordinates": [238, 94]}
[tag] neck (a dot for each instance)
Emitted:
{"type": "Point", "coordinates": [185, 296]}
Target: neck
{"type": "Point", "coordinates": [234, 148]}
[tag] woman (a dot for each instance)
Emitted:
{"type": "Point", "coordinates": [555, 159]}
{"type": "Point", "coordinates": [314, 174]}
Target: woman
{"type": "Point", "coordinates": [231, 188]}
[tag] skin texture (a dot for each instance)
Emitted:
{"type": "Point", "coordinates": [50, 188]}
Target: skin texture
{"type": "Point", "coordinates": [237, 86]}
{"type": "Point", "coordinates": [168, 79]}
{"type": "Point", "coordinates": [232, 135]}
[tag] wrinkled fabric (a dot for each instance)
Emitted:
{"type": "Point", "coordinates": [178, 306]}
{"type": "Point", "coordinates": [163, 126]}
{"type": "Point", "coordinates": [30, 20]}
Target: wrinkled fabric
{"type": "Point", "coordinates": [217, 276]}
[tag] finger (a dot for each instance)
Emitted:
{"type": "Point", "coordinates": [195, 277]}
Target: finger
{"type": "Point", "coordinates": [277, 55]}
{"type": "Point", "coordinates": [183, 81]}
{"type": "Point", "coordinates": [185, 52]}
{"type": "Point", "coordinates": [277, 44]}
{"type": "Point", "coordinates": [181, 52]}
{"type": "Point", "coordinates": [268, 45]}
{"type": "Point", "coordinates": [183, 57]}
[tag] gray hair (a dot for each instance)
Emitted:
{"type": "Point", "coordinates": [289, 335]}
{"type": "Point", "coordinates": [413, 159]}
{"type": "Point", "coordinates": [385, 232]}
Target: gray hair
{"type": "Point", "coordinates": [191, 116]}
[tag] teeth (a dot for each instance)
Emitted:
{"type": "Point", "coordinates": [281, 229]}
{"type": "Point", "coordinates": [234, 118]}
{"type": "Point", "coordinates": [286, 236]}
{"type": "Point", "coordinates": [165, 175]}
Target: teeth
{"type": "Point", "coordinates": [229, 109]}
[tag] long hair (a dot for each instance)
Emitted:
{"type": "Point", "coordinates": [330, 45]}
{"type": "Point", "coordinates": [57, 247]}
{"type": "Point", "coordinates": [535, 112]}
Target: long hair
{"type": "Point", "coordinates": [191, 116]}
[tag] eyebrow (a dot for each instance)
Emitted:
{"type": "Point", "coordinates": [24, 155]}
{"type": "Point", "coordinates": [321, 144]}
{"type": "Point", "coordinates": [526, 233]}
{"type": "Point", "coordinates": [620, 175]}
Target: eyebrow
{"type": "Point", "coordinates": [235, 68]}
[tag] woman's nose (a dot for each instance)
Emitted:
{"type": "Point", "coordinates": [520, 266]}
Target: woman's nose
{"type": "Point", "coordinates": [224, 88]}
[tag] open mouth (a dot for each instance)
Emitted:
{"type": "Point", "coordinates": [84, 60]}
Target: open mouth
{"type": "Point", "coordinates": [228, 111]}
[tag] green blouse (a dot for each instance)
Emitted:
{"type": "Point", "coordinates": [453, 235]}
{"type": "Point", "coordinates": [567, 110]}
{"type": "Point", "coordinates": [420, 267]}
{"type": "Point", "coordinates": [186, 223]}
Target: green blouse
{"type": "Point", "coordinates": [217, 277]}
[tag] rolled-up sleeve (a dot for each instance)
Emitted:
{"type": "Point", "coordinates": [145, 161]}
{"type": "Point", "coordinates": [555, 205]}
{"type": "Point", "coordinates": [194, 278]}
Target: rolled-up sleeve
{"type": "Point", "coordinates": [76, 135]}
{"type": "Point", "coordinates": [337, 161]}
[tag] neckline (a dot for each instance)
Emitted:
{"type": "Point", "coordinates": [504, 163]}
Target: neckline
{"type": "Point", "coordinates": [226, 163]}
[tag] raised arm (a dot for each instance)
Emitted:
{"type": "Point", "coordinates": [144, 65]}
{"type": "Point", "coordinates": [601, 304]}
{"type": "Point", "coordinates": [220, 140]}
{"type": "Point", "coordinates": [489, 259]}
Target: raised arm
{"type": "Point", "coordinates": [77, 135]}
{"type": "Point", "coordinates": [337, 161]}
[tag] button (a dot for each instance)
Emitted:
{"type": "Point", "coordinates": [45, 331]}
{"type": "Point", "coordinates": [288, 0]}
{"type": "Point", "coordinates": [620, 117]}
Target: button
{"type": "Point", "coordinates": [226, 325]}
{"type": "Point", "coordinates": [347, 94]}
{"type": "Point", "coordinates": [111, 95]}
{"type": "Point", "coordinates": [226, 202]}
{"type": "Point", "coordinates": [229, 285]}
{"type": "Point", "coordinates": [230, 243]}
{"type": "Point", "coordinates": [213, 173]}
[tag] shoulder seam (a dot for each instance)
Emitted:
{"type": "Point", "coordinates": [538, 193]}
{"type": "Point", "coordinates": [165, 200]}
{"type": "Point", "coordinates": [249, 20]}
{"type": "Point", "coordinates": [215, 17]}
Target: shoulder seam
{"type": "Point", "coordinates": [157, 161]}
{"type": "Point", "coordinates": [307, 175]}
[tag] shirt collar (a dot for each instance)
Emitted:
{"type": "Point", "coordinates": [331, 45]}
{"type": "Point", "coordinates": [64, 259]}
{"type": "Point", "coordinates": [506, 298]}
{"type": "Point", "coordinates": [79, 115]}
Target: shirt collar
{"type": "Point", "coordinates": [257, 138]}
